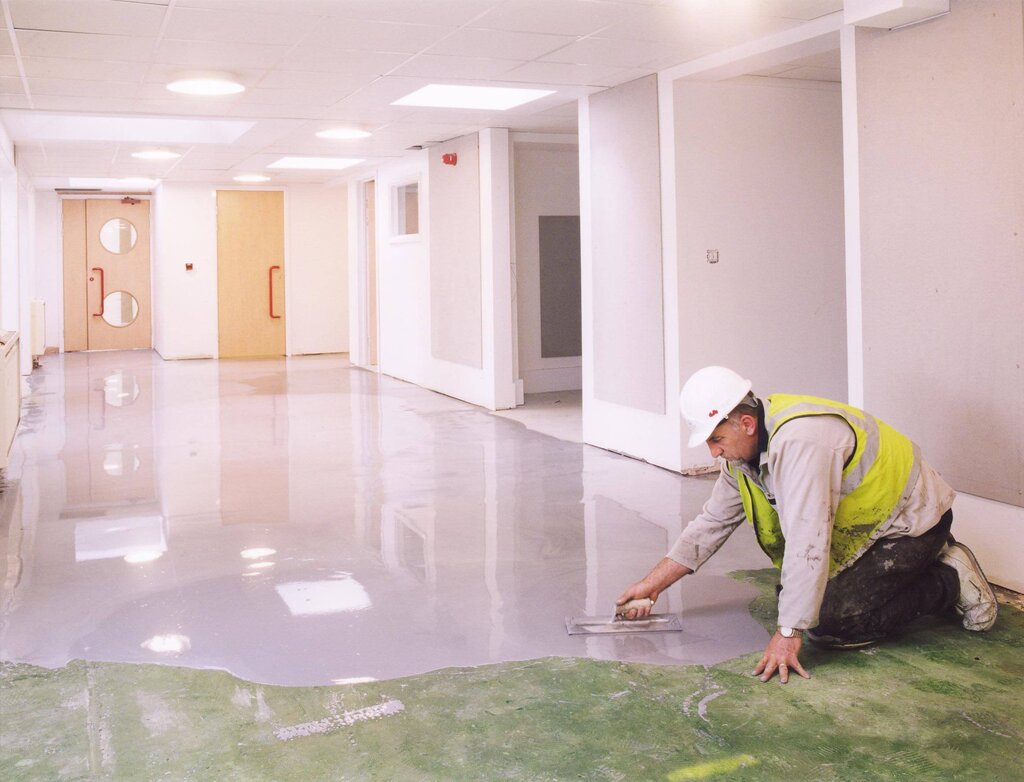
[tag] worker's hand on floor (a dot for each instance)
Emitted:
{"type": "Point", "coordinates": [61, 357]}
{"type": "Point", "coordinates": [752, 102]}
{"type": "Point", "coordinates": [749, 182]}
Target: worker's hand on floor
{"type": "Point", "coordinates": [781, 655]}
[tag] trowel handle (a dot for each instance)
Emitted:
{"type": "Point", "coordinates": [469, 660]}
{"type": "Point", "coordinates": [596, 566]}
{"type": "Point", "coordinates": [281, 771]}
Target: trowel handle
{"type": "Point", "coordinates": [629, 605]}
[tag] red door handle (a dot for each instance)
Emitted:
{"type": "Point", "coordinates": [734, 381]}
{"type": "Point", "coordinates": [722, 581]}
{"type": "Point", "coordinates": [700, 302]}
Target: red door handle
{"type": "Point", "coordinates": [103, 294]}
{"type": "Point", "coordinates": [270, 285]}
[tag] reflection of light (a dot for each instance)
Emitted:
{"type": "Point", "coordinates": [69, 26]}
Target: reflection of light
{"type": "Point", "coordinates": [257, 553]}
{"type": "Point", "coordinates": [354, 680]}
{"type": "Point", "coordinates": [142, 555]}
{"type": "Point", "coordinates": [324, 597]}
{"type": "Point", "coordinates": [256, 565]}
{"type": "Point", "coordinates": [106, 538]}
{"type": "Point", "coordinates": [167, 644]}
{"type": "Point", "coordinates": [116, 463]}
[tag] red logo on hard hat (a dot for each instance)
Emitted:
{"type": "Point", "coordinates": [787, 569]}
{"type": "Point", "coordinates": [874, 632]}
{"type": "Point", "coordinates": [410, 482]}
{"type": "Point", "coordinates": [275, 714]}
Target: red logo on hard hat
{"type": "Point", "coordinates": [712, 414]}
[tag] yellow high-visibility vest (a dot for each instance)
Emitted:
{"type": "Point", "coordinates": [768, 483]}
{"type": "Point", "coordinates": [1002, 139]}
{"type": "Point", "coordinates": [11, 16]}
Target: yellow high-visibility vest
{"type": "Point", "coordinates": [877, 480]}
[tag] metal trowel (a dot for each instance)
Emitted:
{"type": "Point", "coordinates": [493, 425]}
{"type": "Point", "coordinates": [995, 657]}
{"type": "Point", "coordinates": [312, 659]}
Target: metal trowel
{"type": "Point", "coordinates": [618, 623]}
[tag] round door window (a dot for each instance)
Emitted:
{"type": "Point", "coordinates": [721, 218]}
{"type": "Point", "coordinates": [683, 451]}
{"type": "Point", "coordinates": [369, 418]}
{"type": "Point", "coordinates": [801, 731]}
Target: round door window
{"type": "Point", "coordinates": [118, 235]}
{"type": "Point", "coordinates": [120, 309]}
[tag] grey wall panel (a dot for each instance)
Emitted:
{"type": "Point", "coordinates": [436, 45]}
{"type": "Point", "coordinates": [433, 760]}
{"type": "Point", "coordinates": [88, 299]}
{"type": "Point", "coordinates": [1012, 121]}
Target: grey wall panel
{"type": "Point", "coordinates": [559, 286]}
{"type": "Point", "coordinates": [627, 294]}
{"type": "Point", "coordinates": [942, 205]}
{"type": "Point", "coordinates": [456, 298]}
{"type": "Point", "coordinates": [759, 172]}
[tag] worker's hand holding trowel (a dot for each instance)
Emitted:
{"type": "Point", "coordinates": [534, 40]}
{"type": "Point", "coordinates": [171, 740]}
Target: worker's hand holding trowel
{"type": "Point", "coordinates": [664, 574]}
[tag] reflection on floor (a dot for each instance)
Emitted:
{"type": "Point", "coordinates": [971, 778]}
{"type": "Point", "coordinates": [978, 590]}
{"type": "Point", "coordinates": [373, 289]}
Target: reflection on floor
{"type": "Point", "coordinates": [555, 413]}
{"type": "Point", "coordinates": [306, 523]}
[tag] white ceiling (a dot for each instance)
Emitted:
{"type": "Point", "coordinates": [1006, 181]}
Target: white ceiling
{"type": "Point", "coordinates": [314, 64]}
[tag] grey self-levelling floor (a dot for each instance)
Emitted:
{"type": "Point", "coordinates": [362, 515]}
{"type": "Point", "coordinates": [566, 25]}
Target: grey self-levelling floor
{"type": "Point", "coordinates": [298, 570]}
{"type": "Point", "coordinates": [304, 522]}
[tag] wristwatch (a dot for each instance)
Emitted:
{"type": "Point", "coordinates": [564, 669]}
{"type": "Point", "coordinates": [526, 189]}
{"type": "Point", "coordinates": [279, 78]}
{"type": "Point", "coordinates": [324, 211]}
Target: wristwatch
{"type": "Point", "coordinates": [788, 632]}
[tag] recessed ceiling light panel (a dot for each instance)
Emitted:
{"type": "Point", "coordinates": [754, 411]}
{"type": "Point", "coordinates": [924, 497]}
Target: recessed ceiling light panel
{"type": "Point", "coordinates": [316, 163]}
{"type": "Point", "coordinates": [206, 85]}
{"type": "Point", "coordinates": [251, 179]}
{"type": "Point", "coordinates": [343, 134]}
{"type": "Point", "coordinates": [156, 154]}
{"type": "Point", "coordinates": [461, 96]}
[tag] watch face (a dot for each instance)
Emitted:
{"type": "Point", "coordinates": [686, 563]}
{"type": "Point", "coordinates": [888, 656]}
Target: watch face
{"type": "Point", "coordinates": [787, 632]}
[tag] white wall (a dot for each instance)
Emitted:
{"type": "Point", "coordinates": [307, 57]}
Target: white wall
{"type": "Point", "coordinates": [10, 293]}
{"type": "Point", "coordinates": [404, 280]}
{"type": "Point", "coordinates": [403, 275]}
{"type": "Point", "coordinates": [184, 218]}
{"type": "Point", "coordinates": [49, 272]}
{"type": "Point", "coordinates": [628, 276]}
{"type": "Point", "coordinates": [939, 128]}
{"type": "Point", "coordinates": [759, 178]}
{"type": "Point", "coordinates": [317, 292]}
{"type": "Point", "coordinates": [316, 249]}
{"type": "Point", "coordinates": [547, 182]}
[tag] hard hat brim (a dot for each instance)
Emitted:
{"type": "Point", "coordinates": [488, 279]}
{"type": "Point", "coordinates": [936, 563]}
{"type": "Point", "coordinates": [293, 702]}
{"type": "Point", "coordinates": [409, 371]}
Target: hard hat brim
{"type": "Point", "coordinates": [700, 436]}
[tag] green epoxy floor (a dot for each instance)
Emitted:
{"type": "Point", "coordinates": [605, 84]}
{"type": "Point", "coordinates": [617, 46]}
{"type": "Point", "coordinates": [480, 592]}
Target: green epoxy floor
{"type": "Point", "coordinates": [938, 704]}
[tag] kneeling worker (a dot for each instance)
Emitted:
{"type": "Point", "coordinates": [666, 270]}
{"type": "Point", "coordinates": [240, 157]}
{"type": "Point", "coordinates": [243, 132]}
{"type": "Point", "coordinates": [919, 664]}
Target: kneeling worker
{"type": "Point", "coordinates": [844, 506]}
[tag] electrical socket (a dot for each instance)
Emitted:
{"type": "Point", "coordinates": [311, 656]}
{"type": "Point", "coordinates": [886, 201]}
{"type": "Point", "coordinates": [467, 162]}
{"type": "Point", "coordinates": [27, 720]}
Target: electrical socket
{"type": "Point", "coordinates": [712, 256]}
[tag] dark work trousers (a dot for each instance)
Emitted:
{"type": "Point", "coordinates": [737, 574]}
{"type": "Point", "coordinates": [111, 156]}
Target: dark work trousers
{"type": "Point", "coordinates": [893, 583]}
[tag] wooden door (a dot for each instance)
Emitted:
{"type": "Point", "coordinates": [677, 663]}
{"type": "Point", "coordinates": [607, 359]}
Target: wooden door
{"type": "Point", "coordinates": [118, 295]}
{"type": "Point", "coordinates": [250, 273]}
{"type": "Point", "coordinates": [107, 302]}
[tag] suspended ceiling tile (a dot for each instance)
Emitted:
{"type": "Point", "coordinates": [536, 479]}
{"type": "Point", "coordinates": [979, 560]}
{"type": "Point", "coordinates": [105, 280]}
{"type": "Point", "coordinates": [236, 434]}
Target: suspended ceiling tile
{"type": "Point", "coordinates": [86, 70]}
{"type": "Point", "coordinates": [9, 66]}
{"type": "Point", "coordinates": [163, 74]}
{"type": "Point", "coordinates": [82, 89]}
{"type": "Point", "coordinates": [430, 66]}
{"type": "Point", "coordinates": [810, 73]}
{"type": "Point", "coordinates": [828, 59]}
{"type": "Point", "coordinates": [804, 10]}
{"type": "Point", "coordinates": [179, 108]}
{"type": "Point", "coordinates": [84, 46]}
{"type": "Point", "coordinates": [300, 80]}
{"type": "Point", "coordinates": [216, 55]}
{"type": "Point", "coordinates": [603, 51]}
{"type": "Point", "coordinates": [347, 112]}
{"type": "Point", "coordinates": [8, 101]}
{"type": "Point", "coordinates": [363, 35]}
{"type": "Point", "coordinates": [567, 73]}
{"type": "Point", "coordinates": [87, 16]}
{"type": "Point", "coordinates": [450, 12]}
{"type": "Point", "coordinates": [502, 45]}
{"type": "Point", "coordinates": [157, 90]}
{"type": "Point", "coordinates": [276, 111]}
{"type": "Point", "coordinates": [11, 85]}
{"type": "Point", "coordinates": [83, 103]}
{"type": "Point", "coordinates": [308, 97]}
{"type": "Point", "coordinates": [319, 58]}
{"type": "Point", "coordinates": [557, 17]}
{"type": "Point", "coordinates": [705, 27]}
{"type": "Point", "coordinates": [201, 24]}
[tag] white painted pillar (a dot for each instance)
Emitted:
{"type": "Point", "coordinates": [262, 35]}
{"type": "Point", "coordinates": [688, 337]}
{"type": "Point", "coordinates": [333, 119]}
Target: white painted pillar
{"type": "Point", "coordinates": [496, 267]}
{"type": "Point", "coordinates": [851, 200]}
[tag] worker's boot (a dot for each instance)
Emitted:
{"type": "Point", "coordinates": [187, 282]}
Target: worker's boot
{"type": "Point", "coordinates": [977, 602]}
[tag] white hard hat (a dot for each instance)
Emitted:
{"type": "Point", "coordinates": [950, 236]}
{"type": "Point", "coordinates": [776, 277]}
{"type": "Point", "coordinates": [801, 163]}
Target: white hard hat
{"type": "Point", "coordinates": [708, 397]}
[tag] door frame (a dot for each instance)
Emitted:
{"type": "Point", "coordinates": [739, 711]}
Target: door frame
{"type": "Point", "coordinates": [283, 189]}
{"type": "Point", "coordinates": [61, 198]}
{"type": "Point", "coordinates": [359, 298]}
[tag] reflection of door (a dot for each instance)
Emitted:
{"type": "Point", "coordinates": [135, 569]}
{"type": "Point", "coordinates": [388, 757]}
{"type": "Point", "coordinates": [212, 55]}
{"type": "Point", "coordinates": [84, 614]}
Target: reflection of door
{"type": "Point", "coordinates": [106, 274]}
{"type": "Point", "coordinates": [250, 273]}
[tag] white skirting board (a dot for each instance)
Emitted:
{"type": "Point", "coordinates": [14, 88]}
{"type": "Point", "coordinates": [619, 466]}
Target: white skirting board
{"type": "Point", "coordinates": [539, 381]}
{"type": "Point", "coordinates": [995, 533]}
